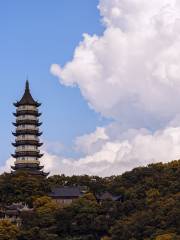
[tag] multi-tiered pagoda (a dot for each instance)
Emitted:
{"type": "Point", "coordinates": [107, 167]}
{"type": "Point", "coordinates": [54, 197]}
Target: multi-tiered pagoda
{"type": "Point", "coordinates": [27, 143]}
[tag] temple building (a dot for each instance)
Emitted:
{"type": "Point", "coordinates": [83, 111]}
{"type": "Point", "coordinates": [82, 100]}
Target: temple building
{"type": "Point", "coordinates": [27, 143]}
{"type": "Point", "coordinates": [65, 195]}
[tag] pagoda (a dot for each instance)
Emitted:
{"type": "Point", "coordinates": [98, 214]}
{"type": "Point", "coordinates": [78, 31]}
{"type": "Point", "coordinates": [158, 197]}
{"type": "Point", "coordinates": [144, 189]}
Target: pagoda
{"type": "Point", "coordinates": [27, 143]}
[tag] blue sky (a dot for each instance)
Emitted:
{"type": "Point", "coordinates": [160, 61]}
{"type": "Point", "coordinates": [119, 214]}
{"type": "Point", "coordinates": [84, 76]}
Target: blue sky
{"type": "Point", "coordinates": [128, 73]}
{"type": "Point", "coordinates": [35, 34]}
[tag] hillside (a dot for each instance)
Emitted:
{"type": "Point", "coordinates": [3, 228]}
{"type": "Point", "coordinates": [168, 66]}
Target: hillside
{"type": "Point", "coordinates": [149, 209]}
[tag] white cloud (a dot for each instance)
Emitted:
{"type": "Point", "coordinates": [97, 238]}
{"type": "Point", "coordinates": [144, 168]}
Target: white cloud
{"type": "Point", "coordinates": [53, 147]}
{"type": "Point", "coordinates": [118, 156]}
{"type": "Point", "coordinates": [136, 62]}
{"type": "Point", "coordinates": [89, 143]}
{"type": "Point", "coordinates": [7, 166]}
{"type": "Point", "coordinates": [131, 74]}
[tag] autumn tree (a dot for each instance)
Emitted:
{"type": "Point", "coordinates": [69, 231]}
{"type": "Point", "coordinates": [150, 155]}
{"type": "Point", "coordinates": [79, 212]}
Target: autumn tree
{"type": "Point", "coordinates": [8, 230]}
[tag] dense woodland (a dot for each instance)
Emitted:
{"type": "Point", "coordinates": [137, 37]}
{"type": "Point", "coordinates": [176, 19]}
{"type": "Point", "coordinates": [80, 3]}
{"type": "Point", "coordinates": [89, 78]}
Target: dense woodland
{"type": "Point", "coordinates": [150, 206]}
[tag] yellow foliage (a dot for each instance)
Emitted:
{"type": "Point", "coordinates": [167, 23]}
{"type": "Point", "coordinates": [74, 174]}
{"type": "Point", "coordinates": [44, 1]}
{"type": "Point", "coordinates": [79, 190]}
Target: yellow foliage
{"type": "Point", "coordinates": [45, 205]}
{"type": "Point", "coordinates": [105, 238]}
{"type": "Point", "coordinates": [168, 236]}
{"type": "Point", "coordinates": [41, 201]}
{"type": "Point", "coordinates": [152, 195]}
{"type": "Point", "coordinates": [8, 231]}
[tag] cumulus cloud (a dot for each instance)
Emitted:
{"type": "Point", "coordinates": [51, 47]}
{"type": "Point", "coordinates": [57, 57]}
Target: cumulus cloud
{"type": "Point", "coordinates": [136, 62]}
{"type": "Point", "coordinates": [92, 142]}
{"type": "Point", "coordinates": [118, 156]}
{"type": "Point", "coordinates": [136, 65]}
{"type": "Point", "coordinates": [7, 166]}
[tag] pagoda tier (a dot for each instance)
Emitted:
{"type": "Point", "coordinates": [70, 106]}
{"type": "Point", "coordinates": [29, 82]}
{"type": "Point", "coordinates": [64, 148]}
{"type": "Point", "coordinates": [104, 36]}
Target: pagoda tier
{"type": "Point", "coordinates": [27, 154]}
{"type": "Point", "coordinates": [27, 112]}
{"type": "Point", "coordinates": [20, 103]}
{"type": "Point", "coordinates": [27, 132]}
{"type": "Point", "coordinates": [32, 169]}
{"type": "Point", "coordinates": [27, 142]}
{"type": "Point", "coordinates": [24, 165]}
{"type": "Point", "coordinates": [29, 171]}
{"type": "Point", "coordinates": [27, 124]}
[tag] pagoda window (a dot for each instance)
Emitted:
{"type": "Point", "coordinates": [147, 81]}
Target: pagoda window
{"type": "Point", "coordinates": [27, 107]}
{"type": "Point", "coordinates": [27, 148]}
{"type": "Point", "coordinates": [33, 127]}
{"type": "Point", "coordinates": [28, 117]}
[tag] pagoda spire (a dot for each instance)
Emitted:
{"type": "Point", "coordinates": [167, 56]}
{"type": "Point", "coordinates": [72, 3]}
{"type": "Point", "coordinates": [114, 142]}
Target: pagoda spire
{"type": "Point", "coordinates": [27, 153]}
{"type": "Point", "coordinates": [27, 86]}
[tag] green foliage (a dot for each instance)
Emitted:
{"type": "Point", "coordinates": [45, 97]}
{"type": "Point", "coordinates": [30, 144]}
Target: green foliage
{"type": "Point", "coordinates": [152, 195]}
{"type": "Point", "coordinates": [83, 213]}
{"type": "Point", "coordinates": [150, 207]}
{"type": "Point", "coordinates": [42, 219]}
{"type": "Point", "coordinates": [21, 187]}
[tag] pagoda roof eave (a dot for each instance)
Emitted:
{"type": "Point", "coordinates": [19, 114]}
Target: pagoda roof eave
{"type": "Point", "coordinates": [19, 103]}
{"type": "Point", "coordinates": [27, 142]}
{"type": "Point", "coordinates": [29, 132]}
{"type": "Point", "coordinates": [27, 98]}
{"type": "Point", "coordinates": [27, 112]}
{"type": "Point", "coordinates": [28, 122]}
{"type": "Point", "coordinates": [27, 154]}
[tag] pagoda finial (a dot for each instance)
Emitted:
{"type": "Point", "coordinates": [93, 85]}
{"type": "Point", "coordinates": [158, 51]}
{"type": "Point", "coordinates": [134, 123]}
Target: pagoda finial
{"type": "Point", "coordinates": [27, 85]}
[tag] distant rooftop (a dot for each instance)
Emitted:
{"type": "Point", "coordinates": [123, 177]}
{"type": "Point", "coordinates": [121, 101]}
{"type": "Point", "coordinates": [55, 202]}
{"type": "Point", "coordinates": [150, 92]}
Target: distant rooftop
{"type": "Point", "coordinates": [66, 192]}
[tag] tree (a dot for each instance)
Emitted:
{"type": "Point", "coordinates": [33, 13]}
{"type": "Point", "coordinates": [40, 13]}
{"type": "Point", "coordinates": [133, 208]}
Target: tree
{"type": "Point", "coordinates": [168, 236]}
{"type": "Point", "coordinates": [22, 187]}
{"type": "Point", "coordinates": [152, 195]}
{"type": "Point", "coordinates": [45, 209]}
{"type": "Point", "coordinates": [8, 231]}
{"type": "Point", "coordinates": [79, 219]}
{"type": "Point", "coordinates": [105, 238]}
{"type": "Point", "coordinates": [149, 208]}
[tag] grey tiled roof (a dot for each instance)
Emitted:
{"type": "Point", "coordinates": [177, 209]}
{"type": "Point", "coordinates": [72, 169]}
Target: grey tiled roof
{"type": "Point", "coordinates": [66, 192]}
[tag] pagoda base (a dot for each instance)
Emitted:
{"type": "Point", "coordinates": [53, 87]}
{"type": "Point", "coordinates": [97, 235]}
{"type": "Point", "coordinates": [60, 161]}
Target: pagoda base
{"type": "Point", "coordinates": [31, 169]}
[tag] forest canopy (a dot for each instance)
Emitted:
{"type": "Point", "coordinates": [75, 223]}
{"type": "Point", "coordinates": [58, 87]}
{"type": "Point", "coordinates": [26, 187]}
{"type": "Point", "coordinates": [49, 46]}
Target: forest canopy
{"type": "Point", "coordinates": [149, 208]}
